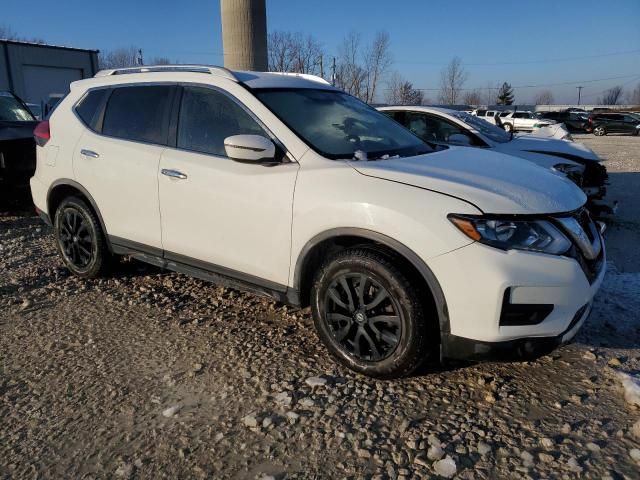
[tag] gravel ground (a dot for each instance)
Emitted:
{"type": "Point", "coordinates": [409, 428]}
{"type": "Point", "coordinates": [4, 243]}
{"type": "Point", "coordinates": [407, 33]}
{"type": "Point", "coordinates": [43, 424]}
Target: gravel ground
{"type": "Point", "coordinates": [149, 374]}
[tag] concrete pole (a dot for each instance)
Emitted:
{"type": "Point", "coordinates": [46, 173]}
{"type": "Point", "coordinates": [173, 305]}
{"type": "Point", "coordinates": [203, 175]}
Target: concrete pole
{"type": "Point", "coordinates": [244, 34]}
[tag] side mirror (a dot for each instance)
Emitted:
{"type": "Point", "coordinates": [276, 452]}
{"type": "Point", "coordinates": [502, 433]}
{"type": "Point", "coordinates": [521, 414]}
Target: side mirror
{"type": "Point", "coordinates": [249, 148]}
{"type": "Point", "coordinates": [459, 139]}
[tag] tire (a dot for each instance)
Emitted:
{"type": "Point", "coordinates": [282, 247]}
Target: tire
{"type": "Point", "coordinates": [508, 127]}
{"type": "Point", "coordinates": [391, 347]}
{"type": "Point", "coordinates": [599, 131]}
{"type": "Point", "coordinates": [80, 239]}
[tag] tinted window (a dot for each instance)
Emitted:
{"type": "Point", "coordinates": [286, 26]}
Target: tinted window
{"type": "Point", "coordinates": [88, 106]}
{"type": "Point", "coordinates": [481, 113]}
{"type": "Point", "coordinates": [207, 117]}
{"type": "Point", "coordinates": [138, 113]}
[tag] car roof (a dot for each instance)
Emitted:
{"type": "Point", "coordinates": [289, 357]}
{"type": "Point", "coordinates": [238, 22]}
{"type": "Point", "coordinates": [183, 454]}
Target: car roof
{"type": "Point", "coordinates": [418, 108]}
{"type": "Point", "coordinates": [249, 78]}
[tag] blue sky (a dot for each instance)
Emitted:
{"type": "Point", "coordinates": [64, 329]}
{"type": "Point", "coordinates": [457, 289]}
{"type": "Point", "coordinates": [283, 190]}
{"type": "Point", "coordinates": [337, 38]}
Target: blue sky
{"type": "Point", "coordinates": [524, 43]}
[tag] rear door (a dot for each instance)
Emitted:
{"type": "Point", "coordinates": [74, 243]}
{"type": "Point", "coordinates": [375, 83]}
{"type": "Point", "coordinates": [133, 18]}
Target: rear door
{"type": "Point", "coordinates": [118, 156]}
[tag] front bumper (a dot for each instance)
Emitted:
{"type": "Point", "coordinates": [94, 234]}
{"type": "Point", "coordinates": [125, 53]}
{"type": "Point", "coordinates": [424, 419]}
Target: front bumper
{"type": "Point", "coordinates": [460, 348]}
{"type": "Point", "coordinates": [475, 280]}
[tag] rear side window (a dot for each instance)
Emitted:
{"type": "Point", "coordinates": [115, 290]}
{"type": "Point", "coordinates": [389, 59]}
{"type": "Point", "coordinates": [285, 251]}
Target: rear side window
{"type": "Point", "coordinates": [138, 113]}
{"type": "Point", "coordinates": [88, 106]}
{"type": "Point", "coordinates": [207, 117]}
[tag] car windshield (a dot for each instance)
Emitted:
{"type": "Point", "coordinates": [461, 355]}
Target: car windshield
{"type": "Point", "coordinates": [496, 134]}
{"type": "Point", "coordinates": [338, 125]}
{"type": "Point", "coordinates": [11, 110]}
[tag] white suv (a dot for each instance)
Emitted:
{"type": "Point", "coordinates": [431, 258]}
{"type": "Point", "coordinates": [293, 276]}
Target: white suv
{"type": "Point", "coordinates": [286, 186]}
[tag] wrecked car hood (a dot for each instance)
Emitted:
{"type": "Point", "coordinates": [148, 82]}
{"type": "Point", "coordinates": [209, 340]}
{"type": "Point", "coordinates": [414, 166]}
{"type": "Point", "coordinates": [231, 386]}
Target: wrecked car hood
{"type": "Point", "coordinates": [493, 182]}
{"type": "Point", "coordinates": [548, 146]}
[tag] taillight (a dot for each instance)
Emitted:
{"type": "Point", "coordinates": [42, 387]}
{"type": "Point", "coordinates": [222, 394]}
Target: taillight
{"type": "Point", "coordinates": [590, 120]}
{"type": "Point", "coordinates": [41, 134]}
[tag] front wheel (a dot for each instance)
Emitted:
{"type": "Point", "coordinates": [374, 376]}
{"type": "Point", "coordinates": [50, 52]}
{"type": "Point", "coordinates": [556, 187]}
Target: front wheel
{"type": "Point", "coordinates": [508, 127]}
{"type": "Point", "coordinates": [369, 315]}
{"type": "Point", "coordinates": [80, 239]}
{"type": "Point", "coordinates": [599, 131]}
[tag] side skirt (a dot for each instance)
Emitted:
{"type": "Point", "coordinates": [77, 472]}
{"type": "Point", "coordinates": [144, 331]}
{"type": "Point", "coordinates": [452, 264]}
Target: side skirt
{"type": "Point", "coordinates": [205, 271]}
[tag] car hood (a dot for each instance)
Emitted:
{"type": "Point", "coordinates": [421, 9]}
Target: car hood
{"type": "Point", "coordinates": [493, 182]}
{"type": "Point", "coordinates": [548, 146]}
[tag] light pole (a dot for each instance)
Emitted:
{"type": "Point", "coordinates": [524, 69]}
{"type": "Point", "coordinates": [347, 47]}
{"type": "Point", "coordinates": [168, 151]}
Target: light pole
{"type": "Point", "coordinates": [579, 92]}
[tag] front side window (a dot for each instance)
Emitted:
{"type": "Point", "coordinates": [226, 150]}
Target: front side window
{"type": "Point", "coordinates": [11, 110]}
{"type": "Point", "coordinates": [487, 129]}
{"type": "Point", "coordinates": [207, 117]}
{"type": "Point", "coordinates": [337, 125]}
{"type": "Point", "coordinates": [138, 113]}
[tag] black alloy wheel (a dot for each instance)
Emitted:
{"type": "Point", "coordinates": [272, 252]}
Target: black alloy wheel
{"type": "Point", "coordinates": [362, 316]}
{"type": "Point", "coordinates": [80, 239]}
{"type": "Point", "coordinates": [370, 316]}
{"type": "Point", "coordinates": [75, 237]}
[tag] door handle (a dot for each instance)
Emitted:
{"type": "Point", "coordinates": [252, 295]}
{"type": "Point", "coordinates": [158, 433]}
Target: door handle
{"type": "Point", "coordinates": [173, 173]}
{"type": "Point", "coordinates": [89, 153]}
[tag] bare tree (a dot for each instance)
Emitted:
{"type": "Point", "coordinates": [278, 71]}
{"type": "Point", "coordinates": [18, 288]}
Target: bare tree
{"type": "Point", "coordinates": [401, 92]}
{"type": "Point", "coordinates": [633, 97]}
{"type": "Point", "coordinates": [350, 76]}
{"type": "Point", "coordinates": [473, 97]}
{"type": "Point", "coordinates": [119, 58]}
{"type": "Point", "coordinates": [452, 80]}
{"type": "Point", "coordinates": [611, 96]}
{"type": "Point", "coordinates": [293, 52]}
{"type": "Point", "coordinates": [7, 33]}
{"type": "Point", "coordinates": [545, 97]}
{"type": "Point", "coordinates": [160, 61]}
{"type": "Point", "coordinates": [359, 71]}
{"type": "Point", "coordinates": [377, 60]}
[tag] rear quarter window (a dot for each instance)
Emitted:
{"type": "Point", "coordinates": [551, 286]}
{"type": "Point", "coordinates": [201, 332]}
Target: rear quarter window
{"type": "Point", "coordinates": [87, 107]}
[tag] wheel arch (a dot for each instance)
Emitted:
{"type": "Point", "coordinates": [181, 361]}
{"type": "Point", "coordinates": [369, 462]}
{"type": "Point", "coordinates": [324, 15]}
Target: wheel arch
{"type": "Point", "coordinates": [64, 187]}
{"type": "Point", "coordinates": [316, 249]}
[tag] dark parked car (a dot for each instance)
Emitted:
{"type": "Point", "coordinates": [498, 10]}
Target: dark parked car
{"type": "Point", "coordinates": [574, 121]}
{"type": "Point", "coordinates": [17, 146]}
{"type": "Point", "coordinates": [604, 123]}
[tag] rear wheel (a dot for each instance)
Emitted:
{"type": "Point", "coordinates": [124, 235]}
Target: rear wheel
{"type": "Point", "coordinates": [80, 239]}
{"type": "Point", "coordinates": [369, 315]}
{"type": "Point", "coordinates": [508, 127]}
{"type": "Point", "coordinates": [599, 131]}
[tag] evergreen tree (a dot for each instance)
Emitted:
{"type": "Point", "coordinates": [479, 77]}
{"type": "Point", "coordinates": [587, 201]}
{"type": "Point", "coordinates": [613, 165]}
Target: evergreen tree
{"type": "Point", "coordinates": [505, 95]}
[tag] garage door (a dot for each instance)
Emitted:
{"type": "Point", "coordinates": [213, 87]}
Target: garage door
{"type": "Point", "coordinates": [40, 81]}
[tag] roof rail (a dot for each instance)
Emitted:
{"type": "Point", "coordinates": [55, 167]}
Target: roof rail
{"type": "Point", "coordinates": [213, 70]}
{"type": "Point", "coordinates": [306, 76]}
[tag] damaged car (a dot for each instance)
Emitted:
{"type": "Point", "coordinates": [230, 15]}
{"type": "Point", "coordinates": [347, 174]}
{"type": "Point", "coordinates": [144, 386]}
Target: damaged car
{"type": "Point", "coordinates": [286, 186]}
{"type": "Point", "coordinates": [451, 127]}
{"type": "Point", "coordinates": [17, 146]}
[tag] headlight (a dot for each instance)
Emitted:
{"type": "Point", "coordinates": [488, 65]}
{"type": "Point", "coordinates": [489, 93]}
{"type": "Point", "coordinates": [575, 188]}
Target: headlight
{"type": "Point", "coordinates": [531, 235]}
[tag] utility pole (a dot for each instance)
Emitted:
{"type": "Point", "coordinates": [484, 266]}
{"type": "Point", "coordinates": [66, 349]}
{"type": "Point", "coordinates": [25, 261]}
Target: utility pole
{"type": "Point", "coordinates": [579, 92]}
{"type": "Point", "coordinates": [321, 67]}
{"type": "Point", "coordinates": [139, 58]}
{"type": "Point", "coordinates": [333, 72]}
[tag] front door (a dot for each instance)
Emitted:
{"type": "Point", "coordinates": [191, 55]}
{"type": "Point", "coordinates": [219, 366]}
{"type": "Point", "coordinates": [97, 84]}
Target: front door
{"type": "Point", "coordinates": [217, 213]}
